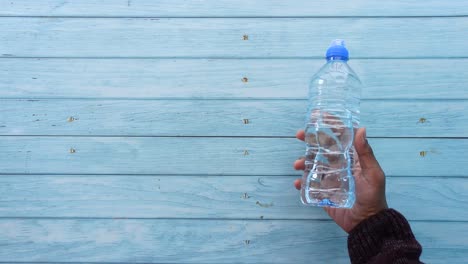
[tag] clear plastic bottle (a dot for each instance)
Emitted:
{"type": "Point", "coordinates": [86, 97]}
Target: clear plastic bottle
{"type": "Point", "coordinates": [333, 116]}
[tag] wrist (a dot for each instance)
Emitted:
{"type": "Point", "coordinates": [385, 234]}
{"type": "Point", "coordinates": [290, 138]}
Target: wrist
{"type": "Point", "coordinates": [362, 214]}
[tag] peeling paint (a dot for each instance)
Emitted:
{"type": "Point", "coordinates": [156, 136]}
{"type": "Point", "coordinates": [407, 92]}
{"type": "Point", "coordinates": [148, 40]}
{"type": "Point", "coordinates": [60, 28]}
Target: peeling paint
{"type": "Point", "coordinates": [264, 205]}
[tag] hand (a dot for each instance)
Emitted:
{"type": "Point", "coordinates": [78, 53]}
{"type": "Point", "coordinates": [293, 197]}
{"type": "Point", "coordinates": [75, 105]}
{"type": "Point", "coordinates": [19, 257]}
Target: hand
{"type": "Point", "coordinates": [369, 184]}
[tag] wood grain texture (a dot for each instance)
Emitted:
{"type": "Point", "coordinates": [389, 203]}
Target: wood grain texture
{"type": "Point", "coordinates": [239, 8]}
{"type": "Point", "coordinates": [191, 37]}
{"type": "Point", "coordinates": [206, 241]}
{"type": "Point", "coordinates": [384, 118]}
{"type": "Point", "coordinates": [211, 197]}
{"type": "Point", "coordinates": [214, 78]}
{"type": "Point", "coordinates": [103, 117]}
{"type": "Point", "coordinates": [206, 155]}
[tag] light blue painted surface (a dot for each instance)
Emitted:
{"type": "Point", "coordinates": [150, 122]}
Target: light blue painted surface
{"type": "Point", "coordinates": [212, 155]}
{"type": "Point", "coordinates": [227, 8]}
{"type": "Point", "coordinates": [123, 134]}
{"type": "Point", "coordinates": [260, 118]}
{"type": "Point", "coordinates": [193, 196]}
{"type": "Point", "coordinates": [202, 241]}
{"type": "Point", "coordinates": [222, 78]}
{"type": "Point", "coordinates": [221, 38]}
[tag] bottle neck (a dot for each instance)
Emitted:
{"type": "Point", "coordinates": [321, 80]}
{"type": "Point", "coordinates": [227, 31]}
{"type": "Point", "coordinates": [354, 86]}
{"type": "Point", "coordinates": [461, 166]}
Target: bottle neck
{"type": "Point", "coordinates": [337, 58]}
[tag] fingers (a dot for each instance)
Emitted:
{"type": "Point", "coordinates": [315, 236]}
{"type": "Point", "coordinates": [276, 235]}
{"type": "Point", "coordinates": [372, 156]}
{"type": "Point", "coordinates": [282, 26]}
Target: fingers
{"type": "Point", "coordinates": [297, 184]}
{"type": "Point", "coordinates": [299, 164]}
{"type": "Point", "coordinates": [300, 135]}
{"type": "Point", "coordinates": [366, 156]}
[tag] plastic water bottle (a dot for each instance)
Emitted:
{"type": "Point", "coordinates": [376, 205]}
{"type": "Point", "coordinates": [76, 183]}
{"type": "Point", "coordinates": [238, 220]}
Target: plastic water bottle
{"type": "Point", "coordinates": [333, 116]}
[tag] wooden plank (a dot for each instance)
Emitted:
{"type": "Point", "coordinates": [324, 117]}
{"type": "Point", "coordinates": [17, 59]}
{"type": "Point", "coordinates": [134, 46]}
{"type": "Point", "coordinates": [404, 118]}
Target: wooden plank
{"type": "Point", "coordinates": [239, 8]}
{"type": "Point", "coordinates": [217, 78]}
{"type": "Point", "coordinates": [213, 156]}
{"type": "Point", "coordinates": [434, 248]}
{"type": "Point", "coordinates": [220, 117]}
{"type": "Point", "coordinates": [192, 196]}
{"type": "Point", "coordinates": [212, 37]}
{"type": "Point", "coordinates": [207, 241]}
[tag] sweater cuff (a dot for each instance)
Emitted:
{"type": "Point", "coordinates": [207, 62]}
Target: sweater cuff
{"type": "Point", "coordinates": [366, 239]}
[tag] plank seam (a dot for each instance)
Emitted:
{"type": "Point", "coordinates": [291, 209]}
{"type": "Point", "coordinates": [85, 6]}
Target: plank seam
{"type": "Point", "coordinates": [87, 262]}
{"type": "Point", "coordinates": [204, 219]}
{"type": "Point", "coordinates": [11, 56]}
{"type": "Point", "coordinates": [200, 175]}
{"type": "Point", "coordinates": [34, 99]}
{"type": "Point", "coordinates": [194, 136]}
{"type": "Point", "coordinates": [231, 17]}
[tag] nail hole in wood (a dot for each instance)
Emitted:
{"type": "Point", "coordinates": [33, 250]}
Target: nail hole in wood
{"type": "Point", "coordinates": [71, 119]}
{"type": "Point", "coordinates": [72, 150]}
{"type": "Point", "coordinates": [422, 120]}
{"type": "Point", "coordinates": [245, 37]}
{"type": "Point", "coordinates": [422, 153]}
{"type": "Point", "coordinates": [246, 121]}
{"type": "Point", "coordinates": [246, 152]}
{"type": "Point", "coordinates": [245, 80]}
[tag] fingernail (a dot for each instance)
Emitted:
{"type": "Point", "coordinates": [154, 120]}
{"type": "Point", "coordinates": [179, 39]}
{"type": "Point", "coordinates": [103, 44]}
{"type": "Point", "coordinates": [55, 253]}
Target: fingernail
{"type": "Point", "coordinates": [364, 136]}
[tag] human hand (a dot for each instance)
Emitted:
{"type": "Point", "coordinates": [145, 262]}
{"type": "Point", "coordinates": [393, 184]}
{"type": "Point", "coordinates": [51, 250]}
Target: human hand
{"type": "Point", "coordinates": [369, 183]}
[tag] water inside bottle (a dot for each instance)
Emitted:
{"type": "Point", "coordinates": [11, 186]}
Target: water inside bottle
{"type": "Point", "coordinates": [329, 158]}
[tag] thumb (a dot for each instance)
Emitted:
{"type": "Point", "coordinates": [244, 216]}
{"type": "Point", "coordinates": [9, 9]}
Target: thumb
{"type": "Point", "coordinates": [365, 153]}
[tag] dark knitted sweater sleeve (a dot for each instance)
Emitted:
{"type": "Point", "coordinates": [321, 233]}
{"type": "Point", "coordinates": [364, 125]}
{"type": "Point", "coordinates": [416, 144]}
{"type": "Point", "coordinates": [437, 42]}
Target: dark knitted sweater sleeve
{"type": "Point", "coordinates": [384, 238]}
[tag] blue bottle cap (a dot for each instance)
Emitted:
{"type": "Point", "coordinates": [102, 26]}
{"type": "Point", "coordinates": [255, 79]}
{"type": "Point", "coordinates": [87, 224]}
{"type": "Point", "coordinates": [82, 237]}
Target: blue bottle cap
{"type": "Point", "coordinates": [337, 51]}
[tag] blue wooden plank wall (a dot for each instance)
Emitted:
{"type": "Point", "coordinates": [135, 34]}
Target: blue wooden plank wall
{"type": "Point", "coordinates": [138, 131]}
